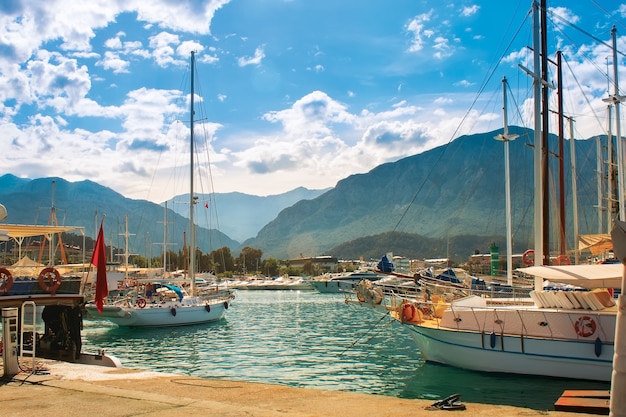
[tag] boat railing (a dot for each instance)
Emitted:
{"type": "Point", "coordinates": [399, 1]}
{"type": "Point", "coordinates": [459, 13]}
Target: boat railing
{"type": "Point", "coordinates": [496, 294]}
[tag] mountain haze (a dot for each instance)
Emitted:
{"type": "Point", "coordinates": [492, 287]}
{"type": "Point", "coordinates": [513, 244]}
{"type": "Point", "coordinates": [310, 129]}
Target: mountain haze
{"type": "Point", "coordinates": [241, 216]}
{"type": "Point", "coordinates": [450, 191]}
{"type": "Point", "coordinates": [78, 203]}
{"type": "Point", "coordinates": [448, 200]}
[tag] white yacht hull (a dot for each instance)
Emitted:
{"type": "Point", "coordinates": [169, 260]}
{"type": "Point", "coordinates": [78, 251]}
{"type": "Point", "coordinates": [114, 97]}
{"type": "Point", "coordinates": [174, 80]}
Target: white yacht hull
{"type": "Point", "coordinates": [158, 315]}
{"type": "Point", "coordinates": [588, 358]}
{"type": "Point", "coordinates": [333, 287]}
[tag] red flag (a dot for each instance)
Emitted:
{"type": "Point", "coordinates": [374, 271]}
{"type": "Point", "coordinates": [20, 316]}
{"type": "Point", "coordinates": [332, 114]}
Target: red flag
{"type": "Point", "coordinates": [99, 260]}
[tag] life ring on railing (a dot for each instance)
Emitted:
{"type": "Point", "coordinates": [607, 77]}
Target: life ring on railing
{"type": "Point", "coordinates": [6, 279]}
{"type": "Point", "coordinates": [585, 326]}
{"type": "Point", "coordinates": [408, 312]}
{"type": "Point", "coordinates": [50, 276]}
{"type": "Point", "coordinates": [141, 302]}
{"type": "Point", "coordinates": [526, 257]}
{"type": "Point", "coordinates": [562, 260]}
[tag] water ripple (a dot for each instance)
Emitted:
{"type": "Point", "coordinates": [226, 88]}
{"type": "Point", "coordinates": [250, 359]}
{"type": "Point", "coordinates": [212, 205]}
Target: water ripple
{"type": "Point", "coordinates": [306, 339]}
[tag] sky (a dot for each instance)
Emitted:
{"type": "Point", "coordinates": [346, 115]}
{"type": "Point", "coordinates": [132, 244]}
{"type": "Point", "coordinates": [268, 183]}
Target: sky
{"type": "Point", "coordinates": [288, 93]}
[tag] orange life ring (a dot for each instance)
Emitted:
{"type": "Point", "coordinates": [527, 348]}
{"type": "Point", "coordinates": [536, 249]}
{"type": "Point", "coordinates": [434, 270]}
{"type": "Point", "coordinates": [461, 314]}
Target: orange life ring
{"type": "Point", "coordinates": [526, 257]}
{"type": "Point", "coordinates": [50, 276]}
{"type": "Point", "coordinates": [585, 326]}
{"type": "Point", "coordinates": [562, 260]}
{"type": "Point", "coordinates": [6, 279]}
{"type": "Point", "coordinates": [408, 312]}
{"type": "Point", "coordinates": [141, 302]}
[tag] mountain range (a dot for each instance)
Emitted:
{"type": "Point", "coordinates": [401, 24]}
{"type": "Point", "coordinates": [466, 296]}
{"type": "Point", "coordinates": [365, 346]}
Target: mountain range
{"type": "Point", "coordinates": [447, 193]}
{"type": "Point", "coordinates": [449, 199]}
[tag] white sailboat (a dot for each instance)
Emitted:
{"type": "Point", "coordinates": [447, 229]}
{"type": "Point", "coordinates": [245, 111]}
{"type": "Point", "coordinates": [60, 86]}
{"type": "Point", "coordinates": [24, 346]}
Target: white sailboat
{"type": "Point", "coordinates": [557, 332]}
{"type": "Point", "coordinates": [173, 306]}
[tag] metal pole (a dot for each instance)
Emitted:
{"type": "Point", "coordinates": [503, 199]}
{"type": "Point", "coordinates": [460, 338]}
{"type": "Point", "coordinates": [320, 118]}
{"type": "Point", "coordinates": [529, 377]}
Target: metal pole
{"type": "Point", "coordinates": [505, 137]}
{"type": "Point", "coordinates": [538, 218]}
{"type": "Point", "coordinates": [617, 404]}
{"type": "Point", "coordinates": [572, 149]}
{"type": "Point", "coordinates": [192, 231]}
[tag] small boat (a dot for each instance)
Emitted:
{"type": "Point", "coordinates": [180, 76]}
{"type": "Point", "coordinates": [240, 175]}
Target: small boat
{"type": "Point", "coordinates": [48, 294]}
{"type": "Point", "coordinates": [179, 307]}
{"type": "Point", "coordinates": [559, 333]}
{"type": "Point", "coordinates": [168, 305]}
{"type": "Point", "coordinates": [343, 282]}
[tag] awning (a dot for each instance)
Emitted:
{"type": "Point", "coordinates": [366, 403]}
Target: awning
{"type": "Point", "coordinates": [596, 243]}
{"type": "Point", "coordinates": [17, 231]}
{"type": "Point", "coordinates": [587, 276]}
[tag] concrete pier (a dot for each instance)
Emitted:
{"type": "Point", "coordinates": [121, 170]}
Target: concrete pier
{"type": "Point", "coordinates": [60, 389]}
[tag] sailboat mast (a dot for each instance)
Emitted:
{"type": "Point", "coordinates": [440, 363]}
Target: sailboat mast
{"type": "Point", "coordinates": [620, 146]}
{"type": "Point", "coordinates": [538, 218]}
{"type": "Point", "coordinates": [545, 172]}
{"type": "Point", "coordinates": [506, 137]}
{"type": "Point", "coordinates": [165, 240]}
{"type": "Point", "coordinates": [192, 231]}
{"type": "Point", "coordinates": [610, 169]}
{"type": "Point", "coordinates": [562, 234]}
{"type": "Point", "coordinates": [572, 148]}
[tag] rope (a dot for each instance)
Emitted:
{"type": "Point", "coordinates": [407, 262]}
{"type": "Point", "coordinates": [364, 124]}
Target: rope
{"type": "Point", "coordinates": [366, 333]}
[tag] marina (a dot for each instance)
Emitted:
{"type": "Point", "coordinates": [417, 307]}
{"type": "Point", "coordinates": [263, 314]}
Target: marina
{"type": "Point", "coordinates": [310, 340]}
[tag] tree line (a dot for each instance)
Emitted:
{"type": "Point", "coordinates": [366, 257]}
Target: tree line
{"type": "Point", "coordinates": [221, 261]}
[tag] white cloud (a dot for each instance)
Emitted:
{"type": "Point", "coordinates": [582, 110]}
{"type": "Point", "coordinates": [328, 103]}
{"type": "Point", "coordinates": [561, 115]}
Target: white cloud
{"type": "Point", "coordinates": [563, 15]}
{"type": "Point", "coordinates": [470, 10]}
{"type": "Point", "coordinates": [463, 83]}
{"type": "Point", "coordinates": [416, 28]}
{"type": "Point", "coordinates": [112, 61]}
{"type": "Point", "coordinates": [442, 48]}
{"type": "Point", "coordinates": [55, 57]}
{"type": "Point", "coordinates": [259, 54]}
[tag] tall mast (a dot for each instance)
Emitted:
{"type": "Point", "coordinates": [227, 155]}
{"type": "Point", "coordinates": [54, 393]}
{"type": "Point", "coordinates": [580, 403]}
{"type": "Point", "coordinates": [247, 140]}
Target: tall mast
{"type": "Point", "coordinates": [609, 171]}
{"type": "Point", "coordinates": [165, 239]}
{"type": "Point", "coordinates": [126, 255]}
{"type": "Point", "coordinates": [620, 147]}
{"type": "Point", "coordinates": [562, 235]}
{"type": "Point", "coordinates": [544, 137]}
{"type": "Point", "coordinates": [506, 137]}
{"type": "Point", "coordinates": [538, 217]}
{"type": "Point", "coordinates": [572, 148]}
{"type": "Point", "coordinates": [192, 231]}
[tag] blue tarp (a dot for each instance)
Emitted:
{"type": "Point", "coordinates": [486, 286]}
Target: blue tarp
{"type": "Point", "coordinates": [450, 276]}
{"type": "Point", "coordinates": [174, 288]}
{"type": "Point", "coordinates": [385, 265]}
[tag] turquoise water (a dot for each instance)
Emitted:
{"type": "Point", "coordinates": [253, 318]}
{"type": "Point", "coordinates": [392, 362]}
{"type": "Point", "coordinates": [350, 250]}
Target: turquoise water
{"type": "Point", "coordinates": [306, 339]}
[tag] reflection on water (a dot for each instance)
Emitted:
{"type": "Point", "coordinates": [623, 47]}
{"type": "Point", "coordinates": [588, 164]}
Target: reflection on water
{"type": "Point", "coordinates": [306, 339]}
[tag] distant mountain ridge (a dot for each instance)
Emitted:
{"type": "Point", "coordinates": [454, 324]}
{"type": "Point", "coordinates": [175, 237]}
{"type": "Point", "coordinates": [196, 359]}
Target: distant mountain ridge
{"type": "Point", "coordinates": [444, 193]}
{"type": "Point", "coordinates": [451, 197]}
{"type": "Point", "coordinates": [78, 203]}
{"type": "Point", "coordinates": [241, 216]}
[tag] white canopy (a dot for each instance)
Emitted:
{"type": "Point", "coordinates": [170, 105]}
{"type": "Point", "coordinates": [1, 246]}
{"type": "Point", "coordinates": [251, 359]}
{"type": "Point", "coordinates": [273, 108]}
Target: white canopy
{"type": "Point", "coordinates": [16, 231]}
{"type": "Point", "coordinates": [587, 276]}
{"type": "Point", "coordinates": [596, 243]}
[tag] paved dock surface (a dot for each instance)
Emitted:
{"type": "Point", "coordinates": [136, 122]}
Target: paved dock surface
{"type": "Point", "coordinates": [60, 389]}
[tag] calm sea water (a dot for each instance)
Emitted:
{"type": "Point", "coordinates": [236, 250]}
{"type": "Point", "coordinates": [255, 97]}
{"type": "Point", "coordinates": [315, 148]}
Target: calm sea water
{"type": "Point", "coordinates": [306, 339]}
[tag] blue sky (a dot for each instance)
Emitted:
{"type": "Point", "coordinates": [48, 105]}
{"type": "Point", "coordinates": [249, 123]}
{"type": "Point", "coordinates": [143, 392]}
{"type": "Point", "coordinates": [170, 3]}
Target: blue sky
{"type": "Point", "coordinates": [292, 92]}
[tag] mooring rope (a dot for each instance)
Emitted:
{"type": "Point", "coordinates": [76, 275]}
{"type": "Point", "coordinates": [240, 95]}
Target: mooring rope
{"type": "Point", "coordinates": [366, 333]}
